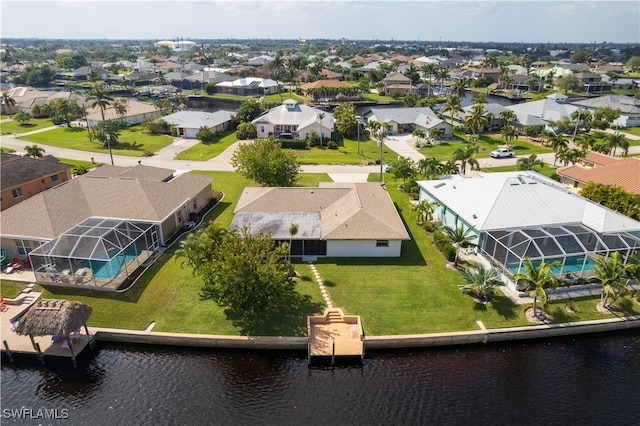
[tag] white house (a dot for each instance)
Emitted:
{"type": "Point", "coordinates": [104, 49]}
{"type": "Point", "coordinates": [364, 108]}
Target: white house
{"type": "Point", "coordinates": [409, 119]}
{"type": "Point", "coordinates": [250, 86]}
{"type": "Point", "coordinates": [334, 220]}
{"type": "Point", "coordinates": [295, 119]}
{"type": "Point", "coordinates": [517, 215]}
{"type": "Point", "coordinates": [628, 106]}
{"type": "Point", "coordinates": [187, 123]}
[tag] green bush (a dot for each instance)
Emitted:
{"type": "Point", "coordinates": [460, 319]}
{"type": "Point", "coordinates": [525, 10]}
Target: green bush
{"type": "Point", "coordinates": [438, 235]}
{"type": "Point", "coordinates": [449, 251]}
{"type": "Point", "coordinates": [332, 145]}
{"type": "Point", "coordinates": [429, 226]}
{"type": "Point", "coordinates": [293, 143]}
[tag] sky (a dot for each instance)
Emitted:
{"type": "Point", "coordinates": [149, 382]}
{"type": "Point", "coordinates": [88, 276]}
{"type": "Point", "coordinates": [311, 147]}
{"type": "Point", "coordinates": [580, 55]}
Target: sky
{"type": "Point", "coordinates": [424, 20]}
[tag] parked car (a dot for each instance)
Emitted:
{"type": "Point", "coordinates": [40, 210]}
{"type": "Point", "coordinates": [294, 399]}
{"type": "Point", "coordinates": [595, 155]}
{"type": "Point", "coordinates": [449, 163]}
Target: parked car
{"type": "Point", "coordinates": [502, 152]}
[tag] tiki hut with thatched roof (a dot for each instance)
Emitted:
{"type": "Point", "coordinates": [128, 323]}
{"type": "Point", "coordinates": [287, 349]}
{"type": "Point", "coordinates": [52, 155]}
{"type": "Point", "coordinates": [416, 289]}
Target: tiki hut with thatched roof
{"type": "Point", "coordinates": [51, 317]}
{"type": "Point", "coordinates": [60, 318]}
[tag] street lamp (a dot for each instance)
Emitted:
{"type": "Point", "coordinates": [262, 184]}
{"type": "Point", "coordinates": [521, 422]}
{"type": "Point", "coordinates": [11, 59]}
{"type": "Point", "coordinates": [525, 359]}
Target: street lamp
{"type": "Point", "coordinates": [108, 138]}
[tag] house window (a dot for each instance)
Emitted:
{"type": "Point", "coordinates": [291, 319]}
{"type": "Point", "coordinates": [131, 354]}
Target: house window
{"type": "Point", "coordinates": [17, 193]}
{"type": "Point", "coordinates": [382, 243]}
{"type": "Point", "coordinates": [54, 178]}
{"type": "Point", "coordinates": [24, 247]}
{"type": "Point", "coordinates": [261, 129]}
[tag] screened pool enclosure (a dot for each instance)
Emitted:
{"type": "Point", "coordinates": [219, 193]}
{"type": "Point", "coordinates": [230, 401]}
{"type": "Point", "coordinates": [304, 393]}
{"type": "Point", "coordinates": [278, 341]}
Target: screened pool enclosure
{"type": "Point", "coordinates": [101, 253]}
{"type": "Point", "coordinates": [575, 247]}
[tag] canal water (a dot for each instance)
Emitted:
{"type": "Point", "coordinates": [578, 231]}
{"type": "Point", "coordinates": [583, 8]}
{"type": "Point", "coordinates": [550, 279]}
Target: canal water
{"type": "Point", "coordinates": [592, 380]}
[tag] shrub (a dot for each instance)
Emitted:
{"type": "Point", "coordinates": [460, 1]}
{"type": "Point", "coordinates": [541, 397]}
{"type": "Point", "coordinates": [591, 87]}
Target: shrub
{"type": "Point", "coordinates": [332, 145]}
{"type": "Point", "coordinates": [206, 135]}
{"type": "Point", "coordinates": [293, 143]}
{"type": "Point", "coordinates": [438, 235]}
{"type": "Point", "coordinates": [79, 170]}
{"type": "Point", "coordinates": [148, 154]}
{"type": "Point", "coordinates": [429, 226]}
{"type": "Point", "coordinates": [246, 130]}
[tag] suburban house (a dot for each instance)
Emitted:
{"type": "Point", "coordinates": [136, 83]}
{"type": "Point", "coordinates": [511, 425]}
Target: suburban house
{"type": "Point", "coordinates": [295, 120]}
{"type": "Point", "coordinates": [540, 113]}
{"type": "Point", "coordinates": [397, 84]}
{"type": "Point", "coordinates": [516, 215]}
{"type": "Point", "coordinates": [526, 83]}
{"type": "Point", "coordinates": [334, 219]}
{"type": "Point", "coordinates": [187, 123]}
{"type": "Point", "coordinates": [90, 231]}
{"type": "Point", "coordinates": [492, 109]}
{"type": "Point", "coordinates": [592, 82]}
{"type": "Point", "coordinates": [23, 177]}
{"type": "Point", "coordinates": [136, 113]}
{"type": "Point", "coordinates": [402, 120]}
{"type": "Point", "coordinates": [26, 97]}
{"type": "Point", "coordinates": [623, 172]}
{"type": "Point", "coordinates": [323, 90]}
{"type": "Point", "coordinates": [249, 86]}
{"type": "Point", "coordinates": [628, 106]}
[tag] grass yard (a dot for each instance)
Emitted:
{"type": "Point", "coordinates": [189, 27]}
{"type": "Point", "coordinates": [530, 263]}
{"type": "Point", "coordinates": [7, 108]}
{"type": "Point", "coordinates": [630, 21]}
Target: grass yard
{"type": "Point", "coordinates": [547, 170]}
{"type": "Point", "coordinates": [11, 127]}
{"type": "Point", "coordinates": [75, 163]}
{"type": "Point", "coordinates": [345, 154]}
{"type": "Point", "coordinates": [134, 141]}
{"type": "Point", "coordinates": [204, 152]}
{"type": "Point", "coordinates": [487, 143]}
{"type": "Point", "coordinates": [285, 95]}
{"type": "Point", "coordinates": [632, 130]}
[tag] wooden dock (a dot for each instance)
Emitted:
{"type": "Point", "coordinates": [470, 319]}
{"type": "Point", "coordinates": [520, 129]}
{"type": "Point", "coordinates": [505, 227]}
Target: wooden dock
{"type": "Point", "coordinates": [15, 344]}
{"type": "Point", "coordinates": [335, 335]}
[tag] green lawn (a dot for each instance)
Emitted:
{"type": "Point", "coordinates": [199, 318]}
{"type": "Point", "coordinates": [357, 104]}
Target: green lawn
{"type": "Point", "coordinates": [11, 127]}
{"type": "Point", "coordinates": [134, 141]}
{"type": "Point", "coordinates": [415, 293]}
{"type": "Point", "coordinates": [74, 163]}
{"type": "Point", "coordinates": [7, 150]}
{"type": "Point", "coordinates": [345, 154]}
{"type": "Point", "coordinates": [547, 170]}
{"type": "Point", "coordinates": [285, 95]}
{"type": "Point", "coordinates": [487, 143]}
{"type": "Point", "coordinates": [632, 130]}
{"type": "Point", "coordinates": [204, 152]}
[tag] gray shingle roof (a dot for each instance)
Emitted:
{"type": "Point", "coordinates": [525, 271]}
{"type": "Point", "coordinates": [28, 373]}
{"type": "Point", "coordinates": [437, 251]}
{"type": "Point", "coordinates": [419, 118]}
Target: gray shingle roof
{"type": "Point", "coordinates": [198, 119]}
{"type": "Point", "coordinates": [16, 170]}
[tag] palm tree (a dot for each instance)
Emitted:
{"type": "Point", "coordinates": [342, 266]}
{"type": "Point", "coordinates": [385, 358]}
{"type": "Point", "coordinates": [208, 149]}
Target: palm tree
{"type": "Point", "coordinates": [509, 116]}
{"type": "Point", "coordinates": [460, 237]}
{"type": "Point", "coordinates": [412, 73]}
{"type": "Point", "coordinates": [453, 106]}
{"type": "Point", "coordinates": [481, 283]}
{"type": "Point", "coordinates": [7, 102]}
{"type": "Point", "coordinates": [430, 167]}
{"type": "Point", "coordinates": [34, 151]}
{"type": "Point", "coordinates": [450, 167]}
{"type": "Point", "coordinates": [528, 163]}
{"type": "Point", "coordinates": [480, 98]}
{"type": "Point", "coordinates": [557, 143]}
{"type": "Point", "coordinates": [424, 209]}
{"type": "Point", "coordinates": [429, 70]}
{"type": "Point", "coordinates": [461, 86]}
{"type": "Point", "coordinates": [442, 74]}
{"type": "Point", "coordinates": [609, 273]}
{"type": "Point", "coordinates": [617, 140]}
{"type": "Point", "coordinates": [466, 156]}
{"type": "Point", "coordinates": [293, 231]}
{"type": "Point", "coordinates": [379, 130]}
{"type": "Point", "coordinates": [100, 98]}
{"type": "Point", "coordinates": [536, 280]}
{"type": "Point", "coordinates": [478, 120]}
{"type": "Point", "coordinates": [419, 134]}
{"type": "Point", "coordinates": [321, 117]}
{"type": "Point", "coordinates": [509, 133]}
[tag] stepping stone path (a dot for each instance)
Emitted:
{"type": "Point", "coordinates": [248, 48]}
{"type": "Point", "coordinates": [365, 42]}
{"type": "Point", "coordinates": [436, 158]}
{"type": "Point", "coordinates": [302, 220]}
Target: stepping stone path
{"type": "Point", "coordinates": [323, 289]}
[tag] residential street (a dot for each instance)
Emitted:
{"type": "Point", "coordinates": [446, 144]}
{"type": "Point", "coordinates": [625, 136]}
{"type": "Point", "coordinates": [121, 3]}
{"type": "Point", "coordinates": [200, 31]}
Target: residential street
{"type": "Point", "coordinates": [401, 144]}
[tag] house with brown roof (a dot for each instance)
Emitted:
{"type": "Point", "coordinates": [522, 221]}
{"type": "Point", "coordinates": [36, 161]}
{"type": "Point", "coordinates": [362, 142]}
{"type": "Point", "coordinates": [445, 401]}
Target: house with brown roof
{"type": "Point", "coordinates": [599, 168]}
{"type": "Point", "coordinates": [334, 219]}
{"type": "Point", "coordinates": [130, 203]}
{"type": "Point", "coordinates": [397, 83]}
{"type": "Point", "coordinates": [23, 177]}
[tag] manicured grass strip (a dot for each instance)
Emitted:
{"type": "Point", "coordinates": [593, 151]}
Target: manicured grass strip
{"type": "Point", "coordinates": [133, 141]}
{"type": "Point", "coordinates": [487, 143]}
{"type": "Point", "coordinates": [547, 170]}
{"type": "Point", "coordinates": [75, 163]}
{"type": "Point", "coordinates": [347, 153]}
{"type": "Point", "coordinates": [11, 127]}
{"type": "Point", "coordinates": [204, 152]}
{"type": "Point", "coordinates": [11, 289]}
{"type": "Point", "coordinates": [277, 98]}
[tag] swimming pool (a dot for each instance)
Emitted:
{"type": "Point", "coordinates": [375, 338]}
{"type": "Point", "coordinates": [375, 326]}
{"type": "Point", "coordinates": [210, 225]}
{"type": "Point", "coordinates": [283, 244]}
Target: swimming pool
{"type": "Point", "coordinates": [572, 265]}
{"type": "Point", "coordinates": [107, 270]}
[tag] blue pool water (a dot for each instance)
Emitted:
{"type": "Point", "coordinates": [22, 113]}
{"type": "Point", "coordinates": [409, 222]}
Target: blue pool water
{"type": "Point", "coordinates": [571, 265]}
{"type": "Point", "coordinates": [109, 269]}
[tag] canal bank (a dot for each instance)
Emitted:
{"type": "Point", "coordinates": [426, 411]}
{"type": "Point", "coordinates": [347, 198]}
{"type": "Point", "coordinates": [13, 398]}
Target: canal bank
{"type": "Point", "coordinates": [370, 342]}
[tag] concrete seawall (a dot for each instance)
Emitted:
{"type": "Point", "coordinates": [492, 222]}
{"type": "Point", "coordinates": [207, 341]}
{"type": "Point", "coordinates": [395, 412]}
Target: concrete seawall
{"type": "Point", "coordinates": [370, 342]}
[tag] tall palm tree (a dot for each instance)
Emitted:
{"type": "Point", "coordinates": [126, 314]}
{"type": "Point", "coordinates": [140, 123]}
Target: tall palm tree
{"type": "Point", "coordinates": [480, 98]}
{"type": "Point", "coordinates": [557, 143]}
{"type": "Point", "coordinates": [460, 236]}
{"type": "Point", "coordinates": [478, 119]}
{"type": "Point", "coordinates": [412, 73]}
{"type": "Point", "coordinates": [100, 98]}
{"type": "Point", "coordinates": [379, 130]}
{"type": "Point", "coordinates": [460, 86]}
{"type": "Point", "coordinates": [466, 156]}
{"type": "Point", "coordinates": [508, 116]}
{"type": "Point", "coordinates": [321, 117]}
{"type": "Point", "coordinates": [442, 74]}
{"type": "Point", "coordinates": [617, 140]}
{"type": "Point", "coordinates": [609, 273]}
{"type": "Point", "coordinates": [7, 102]}
{"type": "Point", "coordinates": [537, 280]}
{"type": "Point", "coordinates": [430, 167]}
{"type": "Point", "coordinates": [34, 151]}
{"type": "Point", "coordinates": [293, 231]}
{"type": "Point", "coordinates": [509, 133]}
{"type": "Point", "coordinates": [453, 106]}
{"type": "Point", "coordinates": [419, 134]}
{"type": "Point", "coordinates": [429, 70]}
{"type": "Point", "coordinates": [481, 283]}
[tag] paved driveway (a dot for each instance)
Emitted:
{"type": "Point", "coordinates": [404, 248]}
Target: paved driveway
{"type": "Point", "coordinates": [404, 146]}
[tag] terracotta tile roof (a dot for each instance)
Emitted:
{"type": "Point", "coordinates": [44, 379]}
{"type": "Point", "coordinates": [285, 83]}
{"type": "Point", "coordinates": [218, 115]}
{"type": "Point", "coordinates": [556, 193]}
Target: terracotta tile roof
{"type": "Point", "coordinates": [359, 211]}
{"type": "Point", "coordinates": [16, 170]}
{"type": "Point", "coordinates": [624, 173]}
{"type": "Point", "coordinates": [323, 83]}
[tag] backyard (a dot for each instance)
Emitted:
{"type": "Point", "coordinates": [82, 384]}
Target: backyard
{"type": "Point", "coordinates": [416, 293]}
{"type": "Point", "coordinates": [206, 151]}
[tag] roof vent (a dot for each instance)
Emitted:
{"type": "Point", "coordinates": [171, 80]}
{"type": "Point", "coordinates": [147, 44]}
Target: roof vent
{"type": "Point", "coordinates": [474, 216]}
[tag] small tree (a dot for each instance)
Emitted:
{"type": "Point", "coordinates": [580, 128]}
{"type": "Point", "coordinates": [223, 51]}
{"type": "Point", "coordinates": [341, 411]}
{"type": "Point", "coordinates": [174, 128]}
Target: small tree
{"type": "Point", "coordinates": [246, 130]}
{"type": "Point", "coordinates": [23, 118]}
{"type": "Point", "coordinates": [404, 169]}
{"type": "Point", "coordinates": [248, 110]}
{"type": "Point", "coordinates": [206, 135]}
{"type": "Point", "coordinates": [460, 237]}
{"type": "Point", "coordinates": [34, 151]}
{"type": "Point", "coordinates": [293, 231]}
{"type": "Point", "coordinates": [537, 279]}
{"type": "Point", "coordinates": [481, 283]}
{"type": "Point", "coordinates": [265, 162]}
